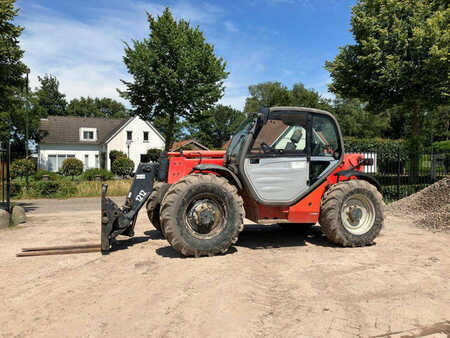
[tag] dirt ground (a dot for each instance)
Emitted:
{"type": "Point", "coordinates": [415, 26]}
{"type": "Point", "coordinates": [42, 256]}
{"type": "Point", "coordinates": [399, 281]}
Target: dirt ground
{"type": "Point", "coordinates": [273, 282]}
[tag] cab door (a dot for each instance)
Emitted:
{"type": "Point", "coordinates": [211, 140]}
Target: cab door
{"type": "Point", "coordinates": [276, 165]}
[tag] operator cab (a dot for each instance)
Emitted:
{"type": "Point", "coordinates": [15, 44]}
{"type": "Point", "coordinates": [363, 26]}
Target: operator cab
{"type": "Point", "coordinates": [283, 153]}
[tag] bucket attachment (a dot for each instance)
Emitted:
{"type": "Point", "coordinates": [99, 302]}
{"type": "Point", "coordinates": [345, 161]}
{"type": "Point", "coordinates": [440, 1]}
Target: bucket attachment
{"type": "Point", "coordinates": [121, 220]}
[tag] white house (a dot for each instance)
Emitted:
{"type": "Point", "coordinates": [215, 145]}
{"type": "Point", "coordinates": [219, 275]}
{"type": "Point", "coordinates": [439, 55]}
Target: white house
{"type": "Point", "coordinates": [92, 139]}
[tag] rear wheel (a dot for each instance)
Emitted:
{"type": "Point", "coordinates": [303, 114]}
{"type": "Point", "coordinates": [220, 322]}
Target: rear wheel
{"type": "Point", "coordinates": [154, 203]}
{"type": "Point", "coordinates": [352, 213]}
{"type": "Point", "coordinates": [202, 215]}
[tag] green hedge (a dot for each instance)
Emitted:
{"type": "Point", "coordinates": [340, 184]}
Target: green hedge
{"type": "Point", "coordinates": [52, 188]}
{"type": "Point", "coordinates": [122, 166]}
{"type": "Point", "coordinates": [90, 174]}
{"type": "Point", "coordinates": [390, 191]}
{"type": "Point", "coordinates": [442, 146]}
{"type": "Point", "coordinates": [388, 152]}
{"type": "Point", "coordinates": [51, 175]}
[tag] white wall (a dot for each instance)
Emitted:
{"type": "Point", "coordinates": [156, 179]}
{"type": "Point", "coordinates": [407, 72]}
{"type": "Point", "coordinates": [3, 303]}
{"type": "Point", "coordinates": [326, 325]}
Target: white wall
{"type": "Point", "coordinates": [79, 150]}
{"type": "Point", "coordinates": [138, 146]}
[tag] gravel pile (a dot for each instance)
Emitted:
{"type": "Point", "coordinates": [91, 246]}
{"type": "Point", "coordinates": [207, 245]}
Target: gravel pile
{"type": "Point", "coordinates": [431, 205]}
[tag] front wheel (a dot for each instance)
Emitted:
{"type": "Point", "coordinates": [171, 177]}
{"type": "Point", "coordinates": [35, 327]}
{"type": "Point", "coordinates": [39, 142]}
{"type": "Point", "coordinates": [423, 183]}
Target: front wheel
{"type": "Point", "coordinates": [351, 213]}
{"type": "Point", "coordinates": [202, 215]}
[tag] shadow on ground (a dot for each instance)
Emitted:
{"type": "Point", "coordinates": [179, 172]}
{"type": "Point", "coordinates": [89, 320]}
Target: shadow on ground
{"type": "Point", "coordinates": [262, 237]}
{"type": "Point", "coordinates": [121, 244]}
{"type": "Point", "coordinates": [26, 205]}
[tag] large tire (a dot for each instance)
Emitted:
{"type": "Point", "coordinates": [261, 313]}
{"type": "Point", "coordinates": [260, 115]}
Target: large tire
{"type": "Point", "coordinates": [351, 213]}
{"type": "Point", "coordinates": [202, 215]}
{"type": "Point", "coordinates": [154, 203]}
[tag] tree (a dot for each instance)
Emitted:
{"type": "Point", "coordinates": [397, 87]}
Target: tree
{"type": "Point", "coordinates": [122, 166]}
{"type": "Point", "coordinates": [270, 94]}
{"type": "Point", "coordinates": [72, 167]}
{"type": "Point", "coordinates": [175, 71]}
{"type": "Point", "coordinates": [12, 68]}
{"type": "Point", "coordinates": [154, 154]}
{"type": "Point", "coordinates": [49, 100]}
{"type": "Point", "coordinates": [216, 125]}
{"type": "Point", "coordinates": [355, 120]}
{"type": "Point", "coordinates": [400, 59]}
{"type": "Point", "coordinates": [97, 107]}
{"type": "Point", "coordinates": [302, 97]}
{"type": "Point", "coordinates": [266, 94]}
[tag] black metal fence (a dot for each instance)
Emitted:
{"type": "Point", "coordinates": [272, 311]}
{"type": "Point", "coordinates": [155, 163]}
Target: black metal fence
{"type": "Point", "coordinates": [5, 186]}
{"type": "Point", "coordinates": [401, 174]}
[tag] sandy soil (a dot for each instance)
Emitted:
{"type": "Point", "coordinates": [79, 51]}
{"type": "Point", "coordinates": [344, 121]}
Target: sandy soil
{"type": "Point", "coordinates": [273, 283]}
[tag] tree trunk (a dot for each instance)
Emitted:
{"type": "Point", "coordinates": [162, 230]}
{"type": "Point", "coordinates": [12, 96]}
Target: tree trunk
{"type": "Point", "coordinates": [170, 128]}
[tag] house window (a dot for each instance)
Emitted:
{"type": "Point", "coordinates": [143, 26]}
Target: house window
{"type": "Point", "coordinates": [88, 134]}
{"type": "Point", "coordinates": [86, 161]}
{"type": "Point", "coordinates": [97, 161]}
{"type": "Point", "coordinates": [129, 135]}
{"type": "Point", "coordinates": [145, 136]}
{"type": "Point", "coordinates": [55, 161]}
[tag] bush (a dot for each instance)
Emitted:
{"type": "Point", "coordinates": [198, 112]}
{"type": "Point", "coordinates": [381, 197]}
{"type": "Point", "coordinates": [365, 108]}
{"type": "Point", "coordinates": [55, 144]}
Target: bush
{"type": "Point", "coordinates": [19, 167]}
{"type": "Point", "coordinates": [51, 175]}
{"type": "Point", "coordinates": [72, 167]}
{"type": "Point", "coordinates": [90, 174]}
{"type": "Point", "coordinates": [53, 189]}
{"type": "Point", "coordinates": [16, 189]}
{"type": "Point", "coordinates": [154, 154]}
{"type": "Point", "coordinates": [442, 146]}
{"type": "Point", "coordinates": [115, 154]}
{"type": "Point", "coordinates": [122, 166]}
{"type": "Point", "coordinates": [389, 152]}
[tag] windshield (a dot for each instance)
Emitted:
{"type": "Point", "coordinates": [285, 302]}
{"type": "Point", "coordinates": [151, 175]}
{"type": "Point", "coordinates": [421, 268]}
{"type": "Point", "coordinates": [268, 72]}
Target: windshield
{"type": "Point", "coordinates": [233, 150]}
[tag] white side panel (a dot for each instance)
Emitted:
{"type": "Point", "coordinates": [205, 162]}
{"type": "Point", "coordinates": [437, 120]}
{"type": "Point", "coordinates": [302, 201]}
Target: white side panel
{"type": "Point", "coordinates": [278, 179]}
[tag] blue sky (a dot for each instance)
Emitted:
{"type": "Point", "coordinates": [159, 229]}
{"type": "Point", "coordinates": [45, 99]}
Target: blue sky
{"type": "Point", "coordinates": [261, 40]}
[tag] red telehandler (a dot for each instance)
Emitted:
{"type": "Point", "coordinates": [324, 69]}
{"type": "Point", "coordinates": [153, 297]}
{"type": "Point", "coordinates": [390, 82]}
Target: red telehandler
{"type": "Point", "coordinates": [284, 164]}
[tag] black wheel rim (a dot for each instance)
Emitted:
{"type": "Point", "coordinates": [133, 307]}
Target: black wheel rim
{"type": "Point", "coordinates": [205, 216]}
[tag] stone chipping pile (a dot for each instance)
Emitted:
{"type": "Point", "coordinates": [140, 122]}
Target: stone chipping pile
{"type": "Point", "coordinates": [431, 206]}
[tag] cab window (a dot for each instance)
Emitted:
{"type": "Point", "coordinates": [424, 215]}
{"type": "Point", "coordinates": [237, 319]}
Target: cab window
{"type": "Point", "coordinates": [325, 140]}
{"type": "Point", "coordinates": [284, 133]}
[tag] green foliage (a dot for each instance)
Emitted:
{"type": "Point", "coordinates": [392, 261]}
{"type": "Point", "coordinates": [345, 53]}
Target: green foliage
{"type": "Point", "coordinates": [267, 94]}
{"type": "Point", "coordinates": [443, 146]}
{"type": "Point", "coordinates": [216, 126]}
{"type": "Point", "coordinates": [72, 167]}
{"type": "Point", "coordinates": [391, 192]}
{"type": "Point", "coordinates": [91, 174]}
{"type": "Point", "coordinates": [389, 152]}
{"type": "Point", "coordinates": [12, 69]}
{"type": "Point", "coordinates": [49, 99]}
{"type": "Point", "coordinates": [51, 175]}
{"type": "Point", "coordinates": [176, 74]}
{"type": "Point", "coordinates": [19, 168]}
{"type": "Point", "coordinates": [52, 189]}
{"type": "Point", "coordinates": [399, 60]}
{"type": "Point", "coordinates": [154, 154]}
{"type": "Point", "coordinates": [97, 107]}
{"type": "Point", "coordinates": [122, 166]}
{"type": "Point", "coordinates": [115, 154]}
{"type": "Point", "coordinates": [356, 121]}
{"type": "Point", "coordinates": [270, 94]}
{"type": "Point", "coordinates": [16, 189]}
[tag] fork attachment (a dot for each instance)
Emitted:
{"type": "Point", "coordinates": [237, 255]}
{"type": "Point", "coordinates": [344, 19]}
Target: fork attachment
{"type": "Point", "coordinates": [121, 220]}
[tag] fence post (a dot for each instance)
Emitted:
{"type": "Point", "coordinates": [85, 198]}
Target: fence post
{"type": "Point", "coordinates": [398, 171]}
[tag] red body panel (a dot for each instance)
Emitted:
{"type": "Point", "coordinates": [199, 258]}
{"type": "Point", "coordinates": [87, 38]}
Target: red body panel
{"type": "Point", "coordinates": [305, 211]}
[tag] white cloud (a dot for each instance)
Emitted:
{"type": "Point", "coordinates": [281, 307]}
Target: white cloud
{"type": "Point", "coordinates": [86, 55]}
{"type": "Point", "coordinates": [231, 27]}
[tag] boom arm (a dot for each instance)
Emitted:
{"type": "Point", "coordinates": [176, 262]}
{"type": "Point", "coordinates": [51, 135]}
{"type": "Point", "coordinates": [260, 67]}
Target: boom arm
{"type": "Point", "coordinates": [120, 221]}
